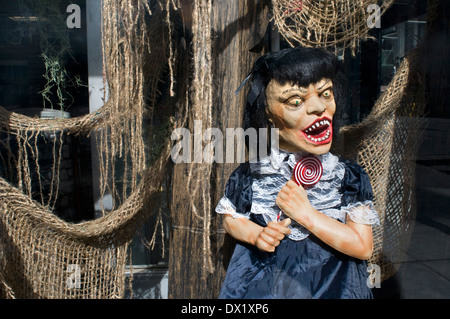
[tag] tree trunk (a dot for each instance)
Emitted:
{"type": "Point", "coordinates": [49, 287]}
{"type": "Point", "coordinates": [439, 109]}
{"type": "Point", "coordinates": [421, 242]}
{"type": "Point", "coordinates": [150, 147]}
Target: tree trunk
{"type": "Point", "coordinates": [238, 34]}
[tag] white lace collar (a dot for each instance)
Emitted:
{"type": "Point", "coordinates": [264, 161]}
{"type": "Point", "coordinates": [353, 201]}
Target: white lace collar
{"type": "Point", "coordinates": [272, 172]}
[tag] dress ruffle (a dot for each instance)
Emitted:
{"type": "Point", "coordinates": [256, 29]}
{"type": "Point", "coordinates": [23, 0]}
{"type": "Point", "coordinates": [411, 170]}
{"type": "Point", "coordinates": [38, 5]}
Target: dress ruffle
{"type": "Point", "coordinates": [344, 190]}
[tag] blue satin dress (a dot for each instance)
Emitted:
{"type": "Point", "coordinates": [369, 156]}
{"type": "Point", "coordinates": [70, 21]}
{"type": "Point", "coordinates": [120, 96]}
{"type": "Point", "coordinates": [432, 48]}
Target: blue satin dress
{"type": "Point", "coordinates": [300, 269]}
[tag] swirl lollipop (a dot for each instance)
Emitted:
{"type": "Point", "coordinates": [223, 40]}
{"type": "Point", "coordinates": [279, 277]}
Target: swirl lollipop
{"type": "Point", "coordinates": [308, 171]}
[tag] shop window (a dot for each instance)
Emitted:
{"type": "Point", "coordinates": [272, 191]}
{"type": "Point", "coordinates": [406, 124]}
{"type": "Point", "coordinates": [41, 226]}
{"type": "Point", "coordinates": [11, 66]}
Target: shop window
{"type": "Point", "coordinates": [396, 42]}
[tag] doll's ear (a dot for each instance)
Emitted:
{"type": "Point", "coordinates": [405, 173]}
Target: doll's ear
{"type": "Point", "coordinates": [269, 120]}
{"type": "Point", "coordinates": [256, 88]}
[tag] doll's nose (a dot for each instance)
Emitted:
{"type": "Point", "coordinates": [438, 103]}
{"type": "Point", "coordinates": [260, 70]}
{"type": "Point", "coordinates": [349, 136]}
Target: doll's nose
{"type": "Point", "coordinates": [315, 106]}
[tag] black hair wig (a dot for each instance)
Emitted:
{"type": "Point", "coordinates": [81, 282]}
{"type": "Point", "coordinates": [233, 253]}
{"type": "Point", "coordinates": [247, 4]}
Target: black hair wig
{"type": "Point", "coordinates": [301, 66]}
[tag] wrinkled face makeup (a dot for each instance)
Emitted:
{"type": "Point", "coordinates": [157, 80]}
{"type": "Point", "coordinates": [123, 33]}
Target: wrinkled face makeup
{"type": "Point", "coordinates": [303, 115]}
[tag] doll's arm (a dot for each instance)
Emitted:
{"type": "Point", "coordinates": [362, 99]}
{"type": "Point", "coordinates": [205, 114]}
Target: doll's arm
{"type": "Point", "coordinates": [351, 238]}
{"type": "Point", "coordinates": [265, 238]}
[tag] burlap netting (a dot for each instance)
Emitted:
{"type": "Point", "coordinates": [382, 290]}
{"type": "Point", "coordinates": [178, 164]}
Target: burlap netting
{"type": "Point", "coordinates": [40, 253]}
{"type": "Point", "coordinates": [43, 256]}
{"type": "Point", "coordinates": [333, 24]}
{"type": "Point", "coordinates": [385, 144]}
{"type": "Point", "coordinates": [38, 250]}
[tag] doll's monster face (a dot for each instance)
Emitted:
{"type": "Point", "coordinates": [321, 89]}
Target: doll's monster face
{"type": "Point", "coordinates": [303, 115]}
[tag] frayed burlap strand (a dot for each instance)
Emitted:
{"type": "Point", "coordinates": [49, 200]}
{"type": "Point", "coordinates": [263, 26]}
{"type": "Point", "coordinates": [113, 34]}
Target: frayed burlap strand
{"type": "Point", "coordinates": [133, 90]}
{"type": "Point", "coordinates": [385, 144]}
{"type": "Point", "coordinates": [332, 24]}
{"type": "Point", "coordinates": [42, 256]}
{"type": "Point", "coordinates": [199, 178]}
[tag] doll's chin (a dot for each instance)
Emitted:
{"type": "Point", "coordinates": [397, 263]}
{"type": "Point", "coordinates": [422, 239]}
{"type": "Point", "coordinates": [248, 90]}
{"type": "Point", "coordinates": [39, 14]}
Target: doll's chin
{"type": "Point", "coordinates": [318, 149]}
{"type": "Point", "coordinates": [310, 148]}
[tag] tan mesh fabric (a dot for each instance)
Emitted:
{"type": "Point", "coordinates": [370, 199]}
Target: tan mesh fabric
{"type": "Point", "coordinates": [385, 145]}
{"type": "Point", "coordinates": [39, 252]}
{"type": "Point", "coordinates": [42, 256]}
{"type": "Point", "coordinates": [332, 24]}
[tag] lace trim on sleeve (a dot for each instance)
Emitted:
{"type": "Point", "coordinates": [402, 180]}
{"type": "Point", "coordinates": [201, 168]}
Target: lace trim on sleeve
{"type": "Point", "coordinates": [362, 213]}
{"type": "Point", "coordinates": [225, 206]}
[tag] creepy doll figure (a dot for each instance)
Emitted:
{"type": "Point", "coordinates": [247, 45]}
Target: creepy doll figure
{"type": "Point", "coordinates": [294, 240]}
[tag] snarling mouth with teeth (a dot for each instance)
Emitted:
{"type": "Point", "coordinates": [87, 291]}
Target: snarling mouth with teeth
{"type": "Point", "coordinates": [320, 132]}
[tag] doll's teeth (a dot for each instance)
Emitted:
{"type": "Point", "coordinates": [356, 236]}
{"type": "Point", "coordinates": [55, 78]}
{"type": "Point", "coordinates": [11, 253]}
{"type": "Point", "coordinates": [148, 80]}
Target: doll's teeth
{"type": "Point", "coordinates": [320, 139]}
{"type": "Point", "coordinates": [317, 125]}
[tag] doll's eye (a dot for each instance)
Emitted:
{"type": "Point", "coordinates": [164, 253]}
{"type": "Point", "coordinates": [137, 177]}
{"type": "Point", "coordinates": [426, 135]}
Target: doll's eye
{"type": "Point", "coordinates": [327, 94]}
{"type": "Point", "coordinates": [294, 101]}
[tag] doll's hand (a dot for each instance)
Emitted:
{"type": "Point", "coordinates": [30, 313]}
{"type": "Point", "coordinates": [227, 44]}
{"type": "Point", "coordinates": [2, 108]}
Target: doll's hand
{"type": "Point", "coordinates": [271, 235]}
{"type": "Point", "coordinates": [293, 201]}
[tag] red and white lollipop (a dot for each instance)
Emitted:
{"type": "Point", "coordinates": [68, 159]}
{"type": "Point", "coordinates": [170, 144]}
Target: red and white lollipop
{"type": "Point", "coordinates": [308, 171]}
